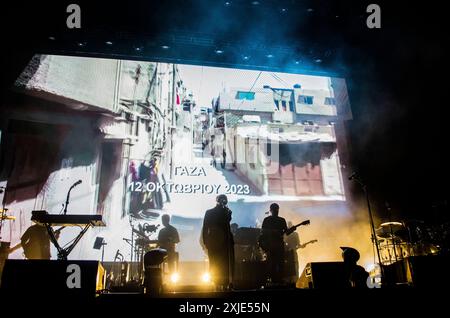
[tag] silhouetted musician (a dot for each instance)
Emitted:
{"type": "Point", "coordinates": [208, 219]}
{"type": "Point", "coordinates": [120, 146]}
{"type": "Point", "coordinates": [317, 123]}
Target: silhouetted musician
{"type": "Point", "coordinates": [168, 237]}
{"type": "Point", "coordinates": [272, 242]}
{"type": "Point", "coordinates": [356, 276]}
{"type": "Point", "coordinates": [36, 242]}
{"type": "Point", "coordinates": [292, 244]}
{"type": "Point", "coordinates": [218, 240]}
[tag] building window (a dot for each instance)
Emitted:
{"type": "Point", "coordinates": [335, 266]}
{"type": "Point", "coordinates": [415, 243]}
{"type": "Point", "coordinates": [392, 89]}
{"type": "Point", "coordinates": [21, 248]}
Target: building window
{"type": "Point", "coordinates": [277, 104]}
{"type": "Point", "coordinates": [283, 105]}
{"type": "Point", "coordinates": [269, 149]}
{"type": "Point", "coordinates": [303, 99]}
{"type": "Point", "coordinates": [330, 101]}
{"type": "Point", "coordinates": [291, 106]}
{"type": "Point", "coordinates": [245, 95]}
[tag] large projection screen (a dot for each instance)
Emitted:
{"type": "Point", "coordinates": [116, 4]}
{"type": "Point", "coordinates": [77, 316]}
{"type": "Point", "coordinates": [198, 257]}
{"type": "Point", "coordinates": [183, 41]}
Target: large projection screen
{"type": "Point", "coordinates": [148, 139]}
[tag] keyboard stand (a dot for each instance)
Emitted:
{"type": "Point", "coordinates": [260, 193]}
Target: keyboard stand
{"type": "Point", "coordinates": [63, 253]}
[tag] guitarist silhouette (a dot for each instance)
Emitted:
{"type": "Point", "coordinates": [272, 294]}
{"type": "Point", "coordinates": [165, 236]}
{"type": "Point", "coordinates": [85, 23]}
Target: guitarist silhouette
{"type": "Point", "coordinates": [292, 244]}
{"type": "Point", "coordinates": [292, 240]}
{"type": "Point", "coordinates": [271, 241]}
{"type": "Point", "coordinates": [36, 242]}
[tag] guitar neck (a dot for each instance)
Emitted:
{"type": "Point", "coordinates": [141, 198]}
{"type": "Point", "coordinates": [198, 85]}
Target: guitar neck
{"type": "Point", "coordinates": [307, 243]}
{"type": "Point", "coordinates": [293, 228]}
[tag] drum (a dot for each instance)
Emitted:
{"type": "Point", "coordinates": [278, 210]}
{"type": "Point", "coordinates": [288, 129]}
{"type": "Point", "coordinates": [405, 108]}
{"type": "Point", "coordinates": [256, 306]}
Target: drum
{"type": "Point", "coordinates": [392, 251]}
{"type": "Point", "coordinates": [424, 249]}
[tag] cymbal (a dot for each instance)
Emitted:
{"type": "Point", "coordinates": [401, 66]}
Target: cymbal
{"type": "Point", "coordinates": [393, 224]}
{"type": "Point", "coordinates": [390, 230]}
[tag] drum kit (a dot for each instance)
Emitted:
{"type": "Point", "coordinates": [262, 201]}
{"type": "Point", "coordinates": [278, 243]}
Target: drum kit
{"type": "Point", "coordinates": [399, 240]}
{"type": "Point", "coordinates": [246, 245]}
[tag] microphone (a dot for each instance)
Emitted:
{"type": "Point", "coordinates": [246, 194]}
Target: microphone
{"type": "Point", "coordinates": [68, 195]}
{"type": "Point", "coordinates": [352, 176]}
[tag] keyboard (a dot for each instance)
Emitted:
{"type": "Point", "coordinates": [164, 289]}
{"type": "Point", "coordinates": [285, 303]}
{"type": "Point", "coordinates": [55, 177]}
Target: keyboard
{"type": "Point", "coordinates": [43, 217]}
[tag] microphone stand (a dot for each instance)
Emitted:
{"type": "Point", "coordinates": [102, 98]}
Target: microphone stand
{"type": "Point", "coordinates": [4, 210]}
{"type": "Point", "coordinates": [228, 241]}
{"type": "Point", "coordinates": [67, 198]}
{"type": "Point", "coordinates": [229, 248]}
{"type": "Point", "coordinates": [372, 225]}
{"type": "Point", "coordinates": [103, 250]}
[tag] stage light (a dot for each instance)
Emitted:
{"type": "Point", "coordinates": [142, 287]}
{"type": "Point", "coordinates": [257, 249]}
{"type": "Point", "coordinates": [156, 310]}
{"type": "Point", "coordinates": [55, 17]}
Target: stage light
{"type": "Point", "coordinates": [138, 49]}
{"type": "Point", "coordinates": [246, 57]}
{"type": "Point", "coordinates": [219, 51]}
{"type": "Point", "coordinates": [227, 3]}
{"type": "Point", "coordinates": [318, 60]}
{"type": "Point", "coordinates": [80, 44]}
{"type": "Point", "coordinates": [206, 278]}
{"type": "Point", "coordinates": [297, 62]}
{"type": "Point", "coordinates": [52, 38]}
{"type": "Point", "coordinates": [165, 47]}
{"type": "Point", "coordinates": [269, 56]}
{"type": "Point", "coordinates": [174, 278]}
{"type": "Point", "coordinates": [108, 43]}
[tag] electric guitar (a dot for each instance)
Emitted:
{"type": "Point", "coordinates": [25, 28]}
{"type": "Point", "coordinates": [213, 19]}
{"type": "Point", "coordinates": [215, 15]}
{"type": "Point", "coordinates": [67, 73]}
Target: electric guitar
{"type": "Point", "coordinates": [307, 243]}
{"type": "Point", "coordinates": [293, 228]}
{"type": "Point", "coordinates": [265, 238]}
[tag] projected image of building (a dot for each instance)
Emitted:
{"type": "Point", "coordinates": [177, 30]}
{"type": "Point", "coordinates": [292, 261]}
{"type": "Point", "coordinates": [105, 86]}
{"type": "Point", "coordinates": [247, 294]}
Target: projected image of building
{"type": "Point", "coordinates": [284, 139]}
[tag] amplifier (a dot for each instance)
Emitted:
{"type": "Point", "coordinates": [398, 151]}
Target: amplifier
{"type": "Point", "coordinates": [323, 275]}
{"type": "Point", "coordinates": [428, 271]}
{"type": "Point", "coordinates": [53, 277]}
{"type": "Point", "coordinates": [419, 271]}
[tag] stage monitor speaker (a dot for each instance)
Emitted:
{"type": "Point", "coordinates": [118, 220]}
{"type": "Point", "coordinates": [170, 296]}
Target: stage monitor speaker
{"type": "Point", "coordinates": [428, 271]}
{"type": "Point", "coordinates": [419, 271]}
{"type": "Point", "coordinates": [323, 275]}
{"type": "Point", "coordinates": [53, 277]}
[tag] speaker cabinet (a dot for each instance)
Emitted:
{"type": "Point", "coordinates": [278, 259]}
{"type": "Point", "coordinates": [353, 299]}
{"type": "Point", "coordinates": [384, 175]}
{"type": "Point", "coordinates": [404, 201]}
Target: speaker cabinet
{"type": "Point", "coordinates": [53, 277]}
{"type": "Point", "coordinates": [428, 271]}
{"type": "Point", "coordinates": [323, 275]}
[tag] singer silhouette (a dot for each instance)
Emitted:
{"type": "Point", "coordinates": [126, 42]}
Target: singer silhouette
{"type": "Point", "coordinates": [219, 243]}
